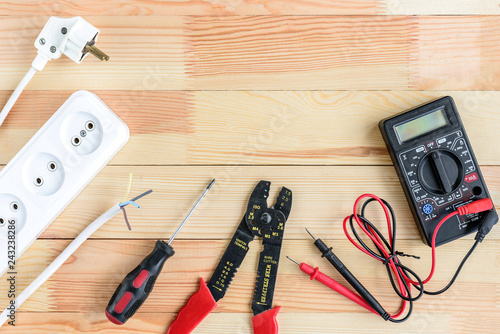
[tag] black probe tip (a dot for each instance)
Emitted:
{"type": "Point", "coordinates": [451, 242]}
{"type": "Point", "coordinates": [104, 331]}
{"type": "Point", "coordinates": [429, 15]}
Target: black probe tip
{"type": "Point", "coordinates": [312, 236]}
{"type": "Point", "coordinates": [211, 184]}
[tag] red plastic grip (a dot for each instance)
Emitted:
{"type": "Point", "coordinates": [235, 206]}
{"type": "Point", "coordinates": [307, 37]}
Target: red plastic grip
{"type": "Point", "coordinates": [335, 286]}
{"type": "Point", "coordinates": [140, 279]}
{"type": "Point", "coordinates": [113, 319]}
{"type": "Point", "coordinates": [480, 205]}
{"type": "Point", "coordinates": [199, 305]}
{"type": "Point", "coordinates": [123, 302]}
{"type": "Point", "coordinates": [265, 323]}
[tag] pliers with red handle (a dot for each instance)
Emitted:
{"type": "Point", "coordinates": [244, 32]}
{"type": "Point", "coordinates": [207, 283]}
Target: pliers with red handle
{"type": "Point", "coordinates": [259, 220]}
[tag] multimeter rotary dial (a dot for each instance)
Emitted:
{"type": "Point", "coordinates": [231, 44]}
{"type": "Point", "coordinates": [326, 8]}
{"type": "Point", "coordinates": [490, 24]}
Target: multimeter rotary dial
{"type": "Point", "coordinates": [440, 172]}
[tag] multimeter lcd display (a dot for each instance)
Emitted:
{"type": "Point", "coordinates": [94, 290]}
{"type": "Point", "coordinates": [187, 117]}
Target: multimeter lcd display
{"type": "Point", "coordinates": [421, 125]}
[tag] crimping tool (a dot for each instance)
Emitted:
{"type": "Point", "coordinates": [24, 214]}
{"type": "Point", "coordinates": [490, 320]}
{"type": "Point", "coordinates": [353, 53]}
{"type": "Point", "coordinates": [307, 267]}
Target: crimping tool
{"type": "Point", "coordinates": [259, 220]}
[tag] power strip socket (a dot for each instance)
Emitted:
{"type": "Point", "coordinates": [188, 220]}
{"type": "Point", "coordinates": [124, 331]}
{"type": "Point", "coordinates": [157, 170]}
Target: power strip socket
{"type": "Point", "coordinates": [53, 168]}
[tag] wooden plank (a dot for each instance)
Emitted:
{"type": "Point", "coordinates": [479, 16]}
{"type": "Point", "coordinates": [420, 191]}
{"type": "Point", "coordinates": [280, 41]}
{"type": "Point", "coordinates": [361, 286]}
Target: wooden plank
{"type": "Point", "coordinates": [431, 322]}
{"type": "Point", "coordinates": [149, 56]}
{"type": "Point", "coordinates": [257, 127]}
{"type": "Point", "coordinates": [249, 7]}
{"type": "Point", "coordinates": [268, 53]}
{"type": "Point", "coordinates": [345, 52]}
{"type": "Point", "coordinates": [87, 281]}
{"type": "Point", "coordinates": [323, 196]}
{"type": "Point", "coordinates": [444, 49]}
{"type": "Point", "coordinates": [288, 52]}
{"type": "Point", "coordinates": [441, 7]}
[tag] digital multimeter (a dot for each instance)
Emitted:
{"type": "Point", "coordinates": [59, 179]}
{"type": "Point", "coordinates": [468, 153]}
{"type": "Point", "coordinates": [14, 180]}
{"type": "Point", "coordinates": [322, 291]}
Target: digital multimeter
{"type": "Point", "coordinates": [436, 166]}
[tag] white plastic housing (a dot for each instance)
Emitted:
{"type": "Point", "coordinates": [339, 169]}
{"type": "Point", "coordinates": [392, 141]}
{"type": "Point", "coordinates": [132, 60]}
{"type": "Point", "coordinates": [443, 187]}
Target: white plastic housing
{"type": "Point", "coordinates": [68, 36]}
{"type": "Point", "coordinates": [51, 169]}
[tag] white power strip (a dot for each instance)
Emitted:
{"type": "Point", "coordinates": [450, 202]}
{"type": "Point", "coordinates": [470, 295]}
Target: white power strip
{"type": "Point", "coordinates": [53, 168]}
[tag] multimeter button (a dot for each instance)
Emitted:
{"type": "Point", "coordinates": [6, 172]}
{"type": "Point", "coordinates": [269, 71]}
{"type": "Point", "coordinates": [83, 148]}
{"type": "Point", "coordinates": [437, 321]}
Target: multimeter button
{"type": "Point", "coordinates": [457, 194]}
{"type": "Point", "coordinates": [420, 149]}
{"type": "Point", "coordinates": [441, 141]}
{"type": "Point", "coordinates": [427, 208]}
{"type": "Point", "coordinates": [471, 178]}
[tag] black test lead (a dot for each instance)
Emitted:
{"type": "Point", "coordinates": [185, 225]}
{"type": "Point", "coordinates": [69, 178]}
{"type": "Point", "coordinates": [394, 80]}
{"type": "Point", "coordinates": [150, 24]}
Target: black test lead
{"type": "Point", "coordinates": [138, 284]}
{"type": "Point", "coordinates": [399, 274]}
{"type": "Point", "coordinates": [327, 253]}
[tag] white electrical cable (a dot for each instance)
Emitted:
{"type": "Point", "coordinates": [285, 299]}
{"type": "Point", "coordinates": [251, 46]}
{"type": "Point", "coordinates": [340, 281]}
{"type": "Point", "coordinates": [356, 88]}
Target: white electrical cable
{"type": "Point", "coordinates": [73, 37]}
{"type": "Point", "coordinates": [59, 261]}
{"type": "Point", "coordinates": [15, 95]}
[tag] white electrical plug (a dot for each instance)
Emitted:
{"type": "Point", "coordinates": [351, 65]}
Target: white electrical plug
{"type": "Point", "coordinates": [73, 37]}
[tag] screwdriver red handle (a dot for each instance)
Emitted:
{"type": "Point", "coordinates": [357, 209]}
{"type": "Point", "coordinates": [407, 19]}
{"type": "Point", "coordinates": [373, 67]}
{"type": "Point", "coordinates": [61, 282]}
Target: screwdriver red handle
{"type": "Point", "coordinates": [138, 284]}
{"type": "Point", "coordinates": [315, 274]}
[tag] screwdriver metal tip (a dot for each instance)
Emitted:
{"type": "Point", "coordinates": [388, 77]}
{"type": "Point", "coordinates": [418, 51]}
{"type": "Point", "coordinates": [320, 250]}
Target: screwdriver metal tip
{"type": "Point", "coordinates": [288, 257]}
{"type": "Point", "coordinates": [190, 212]}
{"type": "Point", "coordinates": [311, 234]}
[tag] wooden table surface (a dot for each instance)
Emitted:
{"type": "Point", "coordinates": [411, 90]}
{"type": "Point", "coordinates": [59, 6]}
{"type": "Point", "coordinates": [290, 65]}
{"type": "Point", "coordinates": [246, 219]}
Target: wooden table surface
{"type": "Point", "coordinates": [289, 91]}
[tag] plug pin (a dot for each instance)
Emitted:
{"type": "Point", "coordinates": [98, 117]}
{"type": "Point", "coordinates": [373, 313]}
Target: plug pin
{"type": "Point", "coordinates": [94, 50]}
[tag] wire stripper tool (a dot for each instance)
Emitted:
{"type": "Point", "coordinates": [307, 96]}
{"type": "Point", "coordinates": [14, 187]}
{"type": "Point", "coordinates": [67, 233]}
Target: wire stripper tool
{"type": "Point", "coordinates": [261, 221]}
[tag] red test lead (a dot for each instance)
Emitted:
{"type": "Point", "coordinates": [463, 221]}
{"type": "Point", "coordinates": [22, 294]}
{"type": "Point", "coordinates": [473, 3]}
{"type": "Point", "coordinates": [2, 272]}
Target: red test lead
{"type": "Point", "coordinates": [402, 277]}
{"type": "Point", "coordinates": [315, 274]}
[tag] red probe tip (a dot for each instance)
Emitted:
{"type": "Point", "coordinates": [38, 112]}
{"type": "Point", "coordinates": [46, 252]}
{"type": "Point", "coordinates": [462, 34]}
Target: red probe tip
{"type": "Point", "coordinates": [288, 257]}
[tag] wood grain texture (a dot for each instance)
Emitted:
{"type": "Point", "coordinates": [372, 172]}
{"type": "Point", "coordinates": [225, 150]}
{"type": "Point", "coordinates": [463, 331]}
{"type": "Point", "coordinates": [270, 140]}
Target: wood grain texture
{"type": "Point", "coordinates": [257, 127]}
{"type": "Point", "coordinates": [328, 192]}
{"type": "Point", "coordinates": [435, 321]}
{"type": "Point", "coordinates": [289, 91]}
{"type": "Point", "coordinates": [249, 7]}
{"type": "Point", "coordinates": [268, 53]}
{"type": "Point", "coordinates": [87, 280]}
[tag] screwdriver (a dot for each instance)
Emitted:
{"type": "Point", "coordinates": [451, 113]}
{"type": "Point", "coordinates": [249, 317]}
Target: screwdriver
{"type": "Point", "coordinates": [138, 284]}
{"type": "Point", "coordinates": [315, 274]}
